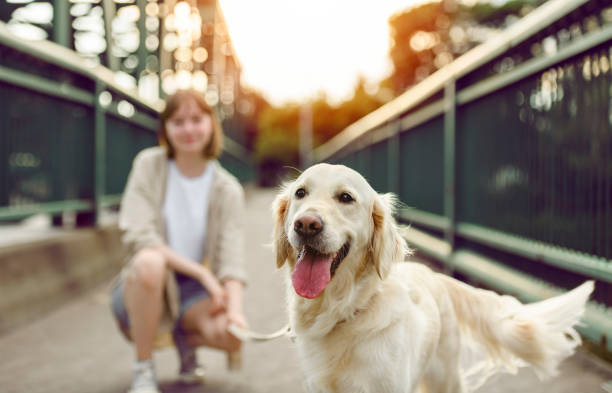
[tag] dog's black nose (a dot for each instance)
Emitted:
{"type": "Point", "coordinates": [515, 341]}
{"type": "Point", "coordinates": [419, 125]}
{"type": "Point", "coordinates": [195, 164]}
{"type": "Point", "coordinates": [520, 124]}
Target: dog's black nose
{"type": "Point", "coordinates": [308, 225]}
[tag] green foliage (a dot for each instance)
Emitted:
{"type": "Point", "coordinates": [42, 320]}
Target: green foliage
{"type": "Point", "coordinates": [278, 138]}
{"type": "Point", "coordinates": [285, 118]}
{"type": "Point", "coordinates": [410, 65]}
{"type": "Point", "coordinates": [487, 13]}
{"type": "Point", "coordinates": [329, 120]}
{"type": "Point", "coordinates": [277, 145]}
{"type": "Point", "coordinates": [277, 141]}
{"type": "Point", "coordinates": [449, 30]}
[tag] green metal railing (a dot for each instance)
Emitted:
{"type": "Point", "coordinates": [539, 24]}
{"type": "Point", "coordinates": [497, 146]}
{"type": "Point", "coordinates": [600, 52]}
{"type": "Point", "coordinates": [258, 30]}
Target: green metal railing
{"type": "Point", "coordinates": [504, 158]}
{"type": "Point", "coordinates": [69, 132]}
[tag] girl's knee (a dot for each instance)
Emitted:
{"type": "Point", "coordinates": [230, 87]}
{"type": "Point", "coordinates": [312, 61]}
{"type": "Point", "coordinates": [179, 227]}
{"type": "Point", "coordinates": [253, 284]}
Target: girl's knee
{"type": "Point", "coordinates": [148, 269]}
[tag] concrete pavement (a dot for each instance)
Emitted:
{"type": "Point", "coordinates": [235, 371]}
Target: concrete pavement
{"type": "Point", "coordinates": [77, 348]}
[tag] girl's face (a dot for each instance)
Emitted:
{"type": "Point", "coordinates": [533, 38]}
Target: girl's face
{"type": "Point", "coordinates": [189, 129]}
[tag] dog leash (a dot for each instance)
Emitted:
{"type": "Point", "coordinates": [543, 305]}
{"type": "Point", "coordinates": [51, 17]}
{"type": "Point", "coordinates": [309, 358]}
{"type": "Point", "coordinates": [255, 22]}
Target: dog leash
{"type": "Point", "coordinates": [248, 335]}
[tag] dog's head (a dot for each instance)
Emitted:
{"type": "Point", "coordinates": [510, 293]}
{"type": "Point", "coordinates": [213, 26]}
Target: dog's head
{"type": "Point", "coordinates": [331, 227]}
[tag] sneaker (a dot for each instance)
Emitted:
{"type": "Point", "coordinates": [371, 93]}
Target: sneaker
{"type": "Point", "coordinates": [144, 379]}
{"type": "Point", "coordinates": [192, 375]}
{"type": "Point", "coordinates": [190, 372]}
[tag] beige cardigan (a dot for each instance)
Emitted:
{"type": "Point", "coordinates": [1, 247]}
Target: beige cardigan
{"type": "Point", "coordinates": [142, 223]}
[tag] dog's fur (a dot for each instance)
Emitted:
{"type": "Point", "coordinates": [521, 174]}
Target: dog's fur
{"type": "Point", "coordinates": [382, 326]}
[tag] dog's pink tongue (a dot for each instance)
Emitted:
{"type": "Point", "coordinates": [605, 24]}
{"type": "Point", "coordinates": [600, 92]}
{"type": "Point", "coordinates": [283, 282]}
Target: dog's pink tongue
{"type": "Point", "coordinates": [311, 274]}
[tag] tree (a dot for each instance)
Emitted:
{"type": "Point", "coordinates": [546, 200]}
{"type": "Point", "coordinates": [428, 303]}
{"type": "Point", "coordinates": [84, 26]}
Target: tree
{"type": "Point", "coordinates": [427, 37]}
{"type": "Point", "coordinates": [424, 39]}
{"type": "Point", "coordinates": [277, 143]}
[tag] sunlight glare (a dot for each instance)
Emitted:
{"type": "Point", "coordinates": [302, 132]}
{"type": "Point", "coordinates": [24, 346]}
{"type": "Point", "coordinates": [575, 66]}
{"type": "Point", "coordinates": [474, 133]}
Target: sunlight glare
{"type": "Point", "coordinates": [41, 13]}
{"type": "Point", "coordinates": [292, 50]}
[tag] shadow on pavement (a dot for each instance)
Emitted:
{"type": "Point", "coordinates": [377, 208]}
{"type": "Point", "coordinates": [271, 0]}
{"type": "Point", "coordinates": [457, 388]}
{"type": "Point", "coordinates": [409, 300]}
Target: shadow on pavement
{"type": "Point", "coordinates": [210, 386]}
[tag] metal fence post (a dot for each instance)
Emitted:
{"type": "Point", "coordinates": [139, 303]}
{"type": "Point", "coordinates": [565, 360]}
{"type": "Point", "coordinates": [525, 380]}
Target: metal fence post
{"type": "Point", "coordinates": [5, 151]}
{"type": "Point", "coordinates": [142, 48]}
{"type": "Point", "coordinates": [61, 23]}
{"type": "Point", "coordinates": [100, 152]}
{"type": "Point", "coordinates": [109, 10]}
{"type": "Point", "coordinates": [305, 130]}
{"type": "Point", "coordinates": [450, 105]}
{"type": "Point", "coordinates": [393, 148]}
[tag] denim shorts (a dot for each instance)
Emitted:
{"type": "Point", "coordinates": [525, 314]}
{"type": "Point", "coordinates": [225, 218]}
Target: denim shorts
{"type": "Point", "coordinates": [191, 291]}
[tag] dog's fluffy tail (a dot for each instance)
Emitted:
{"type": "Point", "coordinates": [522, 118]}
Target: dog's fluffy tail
{"type": "Point", "coordinates": [539, 334]}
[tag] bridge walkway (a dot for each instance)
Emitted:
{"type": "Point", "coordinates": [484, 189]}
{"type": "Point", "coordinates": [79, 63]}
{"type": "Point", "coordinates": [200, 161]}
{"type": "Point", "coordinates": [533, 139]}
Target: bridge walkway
{"type": "Point", "coordinates": [77, 347]}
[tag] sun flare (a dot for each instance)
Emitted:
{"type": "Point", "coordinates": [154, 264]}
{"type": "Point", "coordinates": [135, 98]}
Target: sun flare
{"type": "Point", "coordinates": [291, 50]}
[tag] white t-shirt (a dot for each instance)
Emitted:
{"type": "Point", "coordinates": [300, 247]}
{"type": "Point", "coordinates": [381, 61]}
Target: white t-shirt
{"type": "Point", "coordinates": [186, 211]}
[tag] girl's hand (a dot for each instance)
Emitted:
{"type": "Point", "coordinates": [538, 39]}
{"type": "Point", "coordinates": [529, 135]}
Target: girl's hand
{"type": "Point", "coordinates": [236, 318]}
{"type": "Point", "coordinates": [235, 314]}
{"type": "Point", "coordinates": [216, 291]}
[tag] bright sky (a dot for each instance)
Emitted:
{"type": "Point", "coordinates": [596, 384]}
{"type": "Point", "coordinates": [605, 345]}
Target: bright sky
{"type": "Point", "coordinates": [293, 49]}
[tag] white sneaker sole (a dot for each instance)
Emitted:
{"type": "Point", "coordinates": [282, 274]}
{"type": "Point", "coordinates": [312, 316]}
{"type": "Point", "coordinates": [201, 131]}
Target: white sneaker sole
{"type": "Point", "coordinates": [196, 376]}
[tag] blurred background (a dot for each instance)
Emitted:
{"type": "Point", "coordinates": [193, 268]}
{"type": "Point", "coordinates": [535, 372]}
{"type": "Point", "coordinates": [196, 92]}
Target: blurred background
{"type": "Point", "coordinates": [341, 60]}
{"type": "Point", "coordinates": [490, 119]}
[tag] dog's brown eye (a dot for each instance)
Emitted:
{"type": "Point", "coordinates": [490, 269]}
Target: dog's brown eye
{"type": "Point", "coordinates": [345, 198]}
{"type": "Point", "coordinates": [300, 193]}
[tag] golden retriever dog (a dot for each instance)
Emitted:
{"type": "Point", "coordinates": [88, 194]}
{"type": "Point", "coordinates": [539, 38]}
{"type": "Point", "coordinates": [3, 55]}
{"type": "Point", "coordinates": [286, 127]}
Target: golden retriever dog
{"type": "Point", "coordinates": [366, 321]}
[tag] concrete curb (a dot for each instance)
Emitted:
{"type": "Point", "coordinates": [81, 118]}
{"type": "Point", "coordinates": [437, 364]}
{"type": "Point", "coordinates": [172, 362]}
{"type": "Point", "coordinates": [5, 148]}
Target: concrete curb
{"type": "Point", "coordinates": [39, 276]}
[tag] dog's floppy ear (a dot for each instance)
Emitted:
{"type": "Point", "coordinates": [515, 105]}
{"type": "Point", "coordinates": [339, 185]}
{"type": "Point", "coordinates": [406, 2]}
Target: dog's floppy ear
{"type": "Point", "coordinates": [280, 242]}
{"type": "Point", "coordinates": [386, 244]}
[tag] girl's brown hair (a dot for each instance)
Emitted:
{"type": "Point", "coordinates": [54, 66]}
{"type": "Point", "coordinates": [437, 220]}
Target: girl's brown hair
{"type": "Point", "coordinates": [214, 147]}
